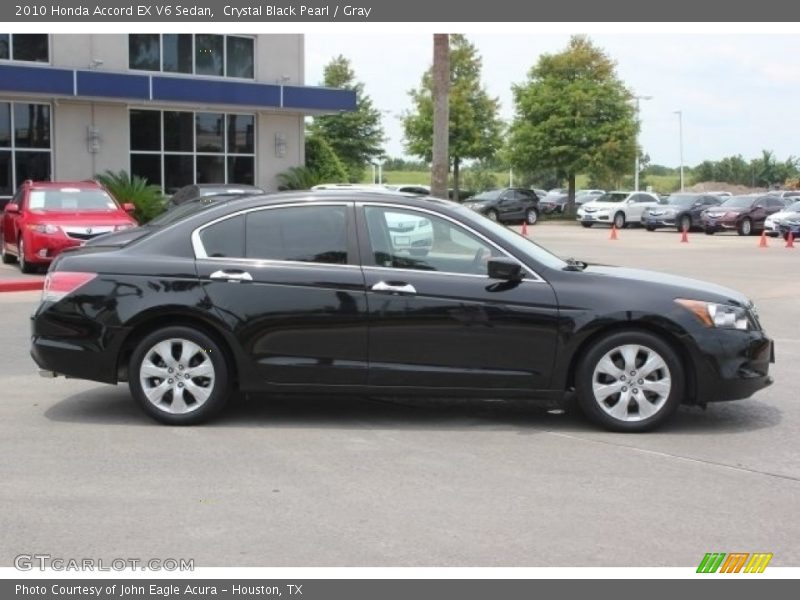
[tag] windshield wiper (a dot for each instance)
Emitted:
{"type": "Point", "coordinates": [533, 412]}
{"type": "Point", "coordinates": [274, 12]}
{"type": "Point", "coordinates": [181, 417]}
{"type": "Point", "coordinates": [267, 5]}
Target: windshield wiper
{"type": "Point", "coordinates": [574, 265]}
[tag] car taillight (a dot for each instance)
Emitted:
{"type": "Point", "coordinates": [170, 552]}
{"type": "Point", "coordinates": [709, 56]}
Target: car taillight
{"type": "Point", "coordinates": [58, 284]}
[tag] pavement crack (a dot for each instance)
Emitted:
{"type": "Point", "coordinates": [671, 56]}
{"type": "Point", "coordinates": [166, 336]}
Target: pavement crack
{"type": "Point", "coordinates": [689, 459]}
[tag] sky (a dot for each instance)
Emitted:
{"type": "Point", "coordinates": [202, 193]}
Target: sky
{"type": "Point", "coordinates": [738, 94]}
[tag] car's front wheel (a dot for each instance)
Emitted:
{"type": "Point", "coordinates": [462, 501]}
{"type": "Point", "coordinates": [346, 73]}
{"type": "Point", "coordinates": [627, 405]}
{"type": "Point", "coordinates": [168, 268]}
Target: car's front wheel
{"type": "Point", "coordinates": [630, 381]}
{"type": "Point", "coordinates": [587, 225]}
{"type": "Point", "coordinates": [619, 220]}
{"type": "Point", "coordinates": [179, 376]}
{"type": "Point", "coordinates": [24, 265]}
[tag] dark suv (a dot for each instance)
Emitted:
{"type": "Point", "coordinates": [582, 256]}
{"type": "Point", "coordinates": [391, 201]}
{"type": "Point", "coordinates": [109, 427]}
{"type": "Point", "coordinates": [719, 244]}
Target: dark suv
{"type": "Point", "coordinates": [745, 214]}
{"type": "Point", "coordinates": [507, 204]}
{"type": "Point", "coordinates": [681, 211]}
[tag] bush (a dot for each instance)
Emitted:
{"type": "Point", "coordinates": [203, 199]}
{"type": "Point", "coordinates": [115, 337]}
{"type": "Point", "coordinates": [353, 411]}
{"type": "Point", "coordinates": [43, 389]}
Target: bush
{"type": "Point", "coordinates": [298, 178]}
{"type": "Point", "coordinates": [321, 158]}
{"type": "Point", "coordinates": [147, 198]}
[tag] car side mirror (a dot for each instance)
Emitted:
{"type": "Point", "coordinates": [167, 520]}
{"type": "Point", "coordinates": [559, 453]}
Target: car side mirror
{"type": "Point", "coordinates": [12, 208]}
{"type": "Point", "coordinates": [504, 269]}
{"type": "Point", "coordinates": [129, 207]}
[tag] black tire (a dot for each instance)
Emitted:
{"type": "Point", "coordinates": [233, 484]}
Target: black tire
{"type": "Point", "coordinates": [619, 220]}
{"type": "Point", "coordinates": [649, 228]}
{"type": "Point", "coordinates": [745, 227]}
{"type": "Point", "coordinates": [587, 225]}
{"type": "Point", "coordinates": [685, 222]}
{"type": "Point", "coordinates": [8, 259]}
{"type": "Point", "coordinates": [208, 353]}
{"type": "Point", "coordinates": [24, 265]}
{"type": "Point", "coordinates": [709, 231]}
{"type": "Point", "coordinates": [590, 371]}
{"type": "Point", "coordinates": [493, 216]}
{"type": "Point", "coordinates": [531, 216]}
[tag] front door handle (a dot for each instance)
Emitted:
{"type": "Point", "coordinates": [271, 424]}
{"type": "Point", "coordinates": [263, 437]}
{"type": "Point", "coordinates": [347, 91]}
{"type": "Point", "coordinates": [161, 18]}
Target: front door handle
{"type": "Point", "coordinates": [395, 287]}
{"type": "Point", "coordinates": [231, 275]}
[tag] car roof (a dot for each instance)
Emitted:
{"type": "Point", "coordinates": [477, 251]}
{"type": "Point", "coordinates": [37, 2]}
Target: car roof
{"type": "Point", "coordinates": [87, 184]}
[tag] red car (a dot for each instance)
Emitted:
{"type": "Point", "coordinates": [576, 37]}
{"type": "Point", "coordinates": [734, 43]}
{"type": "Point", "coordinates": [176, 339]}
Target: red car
{"type": "Point", "coordinates": [45, 217]}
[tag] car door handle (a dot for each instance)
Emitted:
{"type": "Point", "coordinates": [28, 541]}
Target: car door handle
{"type": "Point", "coordinates": [231, 276]}
{"type": "Point", "coordinates": [394, 287]}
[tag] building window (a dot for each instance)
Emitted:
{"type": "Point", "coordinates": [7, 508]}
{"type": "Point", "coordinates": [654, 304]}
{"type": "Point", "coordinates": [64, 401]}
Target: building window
{"type": "Point", "coordinates": [193, 54]}
{"type": "Point", "coordinates": [28, 47]}
{"type": "Point", "coordinates": [176, 148]}
{"type": "Point", "coordinates": [25, 151]}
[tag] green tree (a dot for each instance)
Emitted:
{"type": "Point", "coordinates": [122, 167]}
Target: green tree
{"type": "Point", "coordinates": [575, 115]}
{"type": "Point", "coordinates": [356, 137]}
{"type": "Point", "coordinates": [475, 130]}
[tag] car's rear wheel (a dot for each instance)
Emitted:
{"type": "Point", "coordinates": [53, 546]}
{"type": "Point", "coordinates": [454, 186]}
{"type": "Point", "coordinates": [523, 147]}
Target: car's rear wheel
{"type": "Point", "coordinates": [531, 216]}
{"type": "Point", "coordinates": [745, 227]}
{"type": "Point", "coordinates": [619, 220]}
{"type": "Point", "coordinates": [4, 255]}
{"type": "Point", "coordinates": [179, 376]}
{"type": "Point", "coordinates": [685, 224]}
{"type": "Point", "coordinates": [24, 265]}
{"type": "Point", "coordinates": [493, 216]}
{"type": "Point", "coordinates": [587, 225]}
{"type": "Point", "coordinates": [629, 381]}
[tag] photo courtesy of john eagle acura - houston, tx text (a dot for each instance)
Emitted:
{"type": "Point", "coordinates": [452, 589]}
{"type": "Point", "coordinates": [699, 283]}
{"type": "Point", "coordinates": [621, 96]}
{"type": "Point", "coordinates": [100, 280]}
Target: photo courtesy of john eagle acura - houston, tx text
{"type": "Point", "coordinates": [357, 292]}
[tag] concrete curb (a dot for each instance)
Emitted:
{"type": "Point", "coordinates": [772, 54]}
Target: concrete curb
{"type": "Point", "coordinates": [21, 285]}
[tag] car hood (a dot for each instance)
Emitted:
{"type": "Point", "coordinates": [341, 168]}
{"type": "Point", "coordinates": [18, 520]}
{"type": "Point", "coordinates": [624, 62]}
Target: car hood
{"type": "Point", "coordinates": [784, 214]}
{"type": "Point", "coordinates": [685, 287]}
{"type": "Point", "coordinates": [721, 210]}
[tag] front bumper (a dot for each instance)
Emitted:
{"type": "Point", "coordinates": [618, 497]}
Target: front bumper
{"type": "Point", "coordinates": [784, 230]}
{"type": "Point", "coordinates": [660, 221]}
{"type": "Point", "coordinates": [737, 369]}
{"type": "Point", "coordinates": [43, 248]}
{"type": "Point", "coordinates": [584, 217]}
{"type": "Point", "coordinates": [720, 224]}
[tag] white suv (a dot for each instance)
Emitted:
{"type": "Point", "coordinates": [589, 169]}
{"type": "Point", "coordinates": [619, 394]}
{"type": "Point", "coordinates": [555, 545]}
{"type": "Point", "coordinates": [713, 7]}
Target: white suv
{"type": "Point", "coordinates": [617, 208]}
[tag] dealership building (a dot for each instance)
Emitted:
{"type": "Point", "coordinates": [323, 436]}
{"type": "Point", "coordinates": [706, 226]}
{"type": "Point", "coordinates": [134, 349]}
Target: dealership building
{"type": "Point", "coordinates": [174, 108]}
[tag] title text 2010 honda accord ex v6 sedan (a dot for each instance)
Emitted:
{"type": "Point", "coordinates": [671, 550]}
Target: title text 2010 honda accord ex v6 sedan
{"type": "Point", "coordinates": [315, 292]}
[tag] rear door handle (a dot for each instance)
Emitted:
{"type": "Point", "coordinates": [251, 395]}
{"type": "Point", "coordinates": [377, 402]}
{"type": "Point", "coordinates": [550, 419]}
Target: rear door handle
{"type": "Point", "coordinates": [231, 275]}
{"type": "Point", "coordinates": [394, 287]}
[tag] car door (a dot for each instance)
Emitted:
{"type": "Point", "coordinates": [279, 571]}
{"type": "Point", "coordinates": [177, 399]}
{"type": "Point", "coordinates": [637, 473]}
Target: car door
{"type": "Point", "coordinates": [508, 206]}
{"type": "Point", "coordinates": [286, 279]}
{"type": "Point", "coordinates": [636, 205]}
{"type": "Point", "coordinates": [9, 223]}
{"type": "Point", "coordinates": [437, 321]}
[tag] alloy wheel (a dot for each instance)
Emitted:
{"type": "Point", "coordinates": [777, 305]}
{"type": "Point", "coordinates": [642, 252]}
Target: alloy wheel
{"type": "Point", "coordinates": [631, 382]}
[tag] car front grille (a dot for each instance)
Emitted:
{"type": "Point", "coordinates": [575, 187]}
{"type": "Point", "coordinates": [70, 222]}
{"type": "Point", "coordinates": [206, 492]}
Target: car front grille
{"type": "Point", "coordinates": [86, 233]}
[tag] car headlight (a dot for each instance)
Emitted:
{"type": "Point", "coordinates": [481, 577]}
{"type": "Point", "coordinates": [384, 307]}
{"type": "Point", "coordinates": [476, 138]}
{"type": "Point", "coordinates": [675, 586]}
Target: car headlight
{"type": "Point", "coordinates": [713, 314]}
{"type": "Point", "coordinates": [43, 228]}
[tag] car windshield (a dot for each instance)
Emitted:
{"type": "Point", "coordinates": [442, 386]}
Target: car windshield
{"type": "Point", "coordinates": [71, 200]}
{"type": "Point", "coordinates": [739, 202]}
{"type": "Point", "coordinates": [682, 199]}
{"type": "Point", "coordinates": [612, 197]}
{"type": "Point", "coordinates": [794, 207]}
{"type": "Point", "coordinates": [511, 238]}
{"type": "Point", "coordinates": [490, 195]}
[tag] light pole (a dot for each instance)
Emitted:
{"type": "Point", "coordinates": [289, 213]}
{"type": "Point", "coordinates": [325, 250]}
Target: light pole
{"type": "Point", "coordinates": [680, 140]}
{"type": "Point", "coordinates": [636, 160]}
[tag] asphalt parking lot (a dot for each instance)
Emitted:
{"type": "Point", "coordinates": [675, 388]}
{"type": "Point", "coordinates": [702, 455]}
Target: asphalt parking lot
{"type": "Point", "coordinates": [360, 482]}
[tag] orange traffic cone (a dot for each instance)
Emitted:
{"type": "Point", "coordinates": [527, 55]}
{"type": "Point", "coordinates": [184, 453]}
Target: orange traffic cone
{"type": "Point", "coordinates": [790, 240]}
{"type": "Point", "coordinates": [763, 242]}
{"type": "Point", "coordinates": [525, 228]}
{"type": "Point", "coordinates": [685, 236]}
{"type": "Point", "coordinates": [613, 235]}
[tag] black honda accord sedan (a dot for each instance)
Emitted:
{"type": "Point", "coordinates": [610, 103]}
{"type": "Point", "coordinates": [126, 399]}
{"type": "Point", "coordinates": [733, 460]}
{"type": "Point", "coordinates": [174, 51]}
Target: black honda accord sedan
{"type": "Point", "coordinates": [317, 292]}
